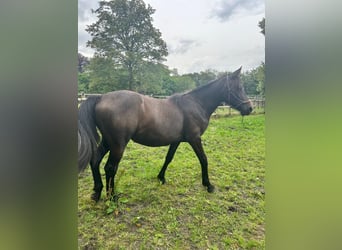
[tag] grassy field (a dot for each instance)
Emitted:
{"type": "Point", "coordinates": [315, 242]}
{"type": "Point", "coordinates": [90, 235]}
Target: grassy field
{"type": "Point", "coordinates": [181, 214]}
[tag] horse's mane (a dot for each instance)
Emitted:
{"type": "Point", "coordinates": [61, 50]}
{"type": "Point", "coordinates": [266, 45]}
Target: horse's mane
{"type": "Point", "coordinates": [204, 86]}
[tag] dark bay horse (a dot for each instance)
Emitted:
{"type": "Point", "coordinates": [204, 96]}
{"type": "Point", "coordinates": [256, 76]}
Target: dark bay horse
{"type": "Point", "coordinates": [124, 115]}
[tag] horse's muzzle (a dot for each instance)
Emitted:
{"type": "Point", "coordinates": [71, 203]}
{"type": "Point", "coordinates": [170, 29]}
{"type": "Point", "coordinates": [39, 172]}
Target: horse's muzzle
{"type": "Point", "coordinates": [246, 109]}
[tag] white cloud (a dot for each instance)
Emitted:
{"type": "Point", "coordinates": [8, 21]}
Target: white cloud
{"type": "Point", "coordinates": [183, 46]}
{"type": "Point", "coordinates": [228, 8]}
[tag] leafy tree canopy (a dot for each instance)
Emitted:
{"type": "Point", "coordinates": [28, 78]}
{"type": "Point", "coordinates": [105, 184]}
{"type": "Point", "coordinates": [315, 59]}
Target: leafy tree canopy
{"type": "Point", "coordinates": [125, 35]}
{"type": "Point", "coordinates": [82, 62]}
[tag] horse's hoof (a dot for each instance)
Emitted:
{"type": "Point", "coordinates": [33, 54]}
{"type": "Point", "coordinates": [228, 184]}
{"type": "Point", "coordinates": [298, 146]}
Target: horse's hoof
{"type": "Point", "coordinates": [96, 197]}
{"type": "Point", "coordinates": [115, 197]}
{"type": "Point", "coordinates": [211, 189]}
{"type": "Point", "coordinates": [162, 180]}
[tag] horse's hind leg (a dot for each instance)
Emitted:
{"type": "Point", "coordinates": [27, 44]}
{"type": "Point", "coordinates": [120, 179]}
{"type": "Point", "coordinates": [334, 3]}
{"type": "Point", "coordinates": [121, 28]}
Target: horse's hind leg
{"type": "Point", "coordinates": [98, 185]}
{"type": "Point", "coordinates": [111, 168]}
{"type": "Point", "coordinates": [170, 153]}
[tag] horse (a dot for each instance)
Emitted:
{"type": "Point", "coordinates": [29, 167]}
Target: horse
{"type": "Point", "coordinates": [124, 115]}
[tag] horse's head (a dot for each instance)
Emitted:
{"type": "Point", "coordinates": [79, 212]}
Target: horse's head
{"type": "Point", "coordinates": [236, 96]}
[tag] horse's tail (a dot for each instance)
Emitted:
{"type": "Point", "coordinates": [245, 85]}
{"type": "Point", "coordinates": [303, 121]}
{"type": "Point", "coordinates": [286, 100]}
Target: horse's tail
{"type": "Point", "coordinates": [87, 132]}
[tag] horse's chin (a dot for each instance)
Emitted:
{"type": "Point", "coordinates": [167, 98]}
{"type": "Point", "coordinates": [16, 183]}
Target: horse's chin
{"type": "Point", "coordinates": [245, 112]}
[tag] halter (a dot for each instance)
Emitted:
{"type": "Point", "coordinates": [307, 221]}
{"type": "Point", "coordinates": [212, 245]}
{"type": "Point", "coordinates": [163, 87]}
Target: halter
{"type": "Point", "coordinates": [230, 94]}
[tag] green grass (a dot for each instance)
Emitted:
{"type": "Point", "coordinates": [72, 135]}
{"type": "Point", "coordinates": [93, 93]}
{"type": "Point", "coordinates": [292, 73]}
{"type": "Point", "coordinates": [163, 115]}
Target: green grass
{"type": "Point", "coordinates": [181, 214]}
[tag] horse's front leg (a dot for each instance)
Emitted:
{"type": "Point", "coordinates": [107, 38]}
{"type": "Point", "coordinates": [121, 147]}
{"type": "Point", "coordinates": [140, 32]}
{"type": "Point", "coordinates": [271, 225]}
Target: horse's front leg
{"type": "Point", "coordinates": [196, 145]}
{"type": "Point", "coordinates": [171, 152]}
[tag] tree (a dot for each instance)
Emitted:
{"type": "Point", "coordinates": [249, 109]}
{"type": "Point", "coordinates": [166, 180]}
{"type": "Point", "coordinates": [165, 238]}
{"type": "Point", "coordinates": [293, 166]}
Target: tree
{"type": "Point", "coordinates": [124, 34]}
{"type": "Point", "coordinates": [261, 69]}
{"type": "Point", "coordinates": [250, 82]}
{"type": "Point", "coordinates": [104, 76]}
{"type": "Point", "coordinates": [83, 74]}
{"type": "Point", "coordinates": [178, 84]}
{"type": "Point", "coordinates": [203, 77]}
{"type": "Point", "coordinates": [83, 82]}
{"type": "Point", "coordinates": [260, 76]}
{"type": "Point", "coordinates": [82, 62]}
{"type": "Point", "coordinates": [150, 79]}
{"type": "Point", "coordinates": [261, 25]}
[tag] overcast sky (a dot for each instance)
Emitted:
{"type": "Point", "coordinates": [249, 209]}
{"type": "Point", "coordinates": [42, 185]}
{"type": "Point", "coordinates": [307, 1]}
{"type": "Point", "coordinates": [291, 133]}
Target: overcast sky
{"type": "Point", "coordinates": [200, 34]}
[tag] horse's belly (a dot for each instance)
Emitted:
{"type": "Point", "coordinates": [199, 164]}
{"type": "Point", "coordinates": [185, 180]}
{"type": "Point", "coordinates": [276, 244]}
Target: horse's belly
{"type": "Point", "coordinates": [156, 136]}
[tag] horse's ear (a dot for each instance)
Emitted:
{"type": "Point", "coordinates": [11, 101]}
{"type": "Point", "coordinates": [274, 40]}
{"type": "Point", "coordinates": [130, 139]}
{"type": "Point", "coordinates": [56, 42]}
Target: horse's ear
{"type": "Point", "coordinates": [236, 73]}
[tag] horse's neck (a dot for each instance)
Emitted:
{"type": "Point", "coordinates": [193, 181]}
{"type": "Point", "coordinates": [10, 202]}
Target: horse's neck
{"type": "Point", "coordinates": [209, 97]}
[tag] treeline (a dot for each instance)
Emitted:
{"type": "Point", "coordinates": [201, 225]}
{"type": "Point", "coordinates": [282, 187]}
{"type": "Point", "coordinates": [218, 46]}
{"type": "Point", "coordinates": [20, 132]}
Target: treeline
{"type": "Point", "coordinates": [99, 75]}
